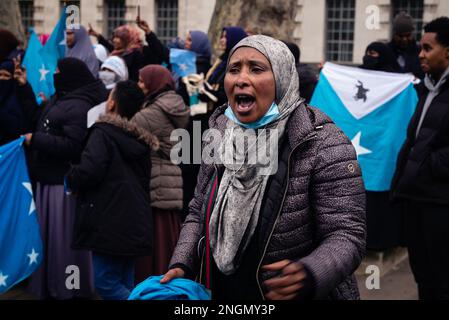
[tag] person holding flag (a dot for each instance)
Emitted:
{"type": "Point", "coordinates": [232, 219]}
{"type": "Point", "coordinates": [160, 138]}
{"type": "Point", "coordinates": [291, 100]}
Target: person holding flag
{"type": "Point", "coordinates": [384, 220]}
{"type": "Point", "coordinates": [12, 121]}
{"type": "Point", "coordinates": [59, 127]}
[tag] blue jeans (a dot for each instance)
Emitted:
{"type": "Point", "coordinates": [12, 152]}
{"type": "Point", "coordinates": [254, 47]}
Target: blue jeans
{"type": "Point", "coordinates": [114, 276]}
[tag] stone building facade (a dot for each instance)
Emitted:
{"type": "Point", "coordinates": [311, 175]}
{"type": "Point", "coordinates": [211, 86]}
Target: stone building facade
{"type": "Point", "coordinates": [326, 30]}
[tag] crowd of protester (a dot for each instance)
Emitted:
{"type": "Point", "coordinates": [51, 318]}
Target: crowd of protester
{"type": "Point", "coordinates": [111, 201]}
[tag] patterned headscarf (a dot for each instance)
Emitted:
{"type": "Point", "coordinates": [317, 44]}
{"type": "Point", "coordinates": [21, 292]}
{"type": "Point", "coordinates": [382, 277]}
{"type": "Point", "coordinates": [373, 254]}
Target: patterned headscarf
{"type": "Point", "coordinates": [236, 212]}
{"type": "Point", "coordinates": [130, 37]}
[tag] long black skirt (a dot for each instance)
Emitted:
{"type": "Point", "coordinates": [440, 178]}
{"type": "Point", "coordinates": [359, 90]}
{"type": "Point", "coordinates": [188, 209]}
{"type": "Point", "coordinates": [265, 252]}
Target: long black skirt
{"type": "Point", "coordinates": [385, 222]}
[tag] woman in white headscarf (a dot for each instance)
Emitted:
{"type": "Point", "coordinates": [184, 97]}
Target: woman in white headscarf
{"type": "Point", "coordinates": [288, 225]}
{"type": "Point", "coordinates": [79, 46]}
{"type": "Point", "coordinates": [113, 70]}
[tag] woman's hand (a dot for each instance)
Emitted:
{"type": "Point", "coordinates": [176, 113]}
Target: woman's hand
{"type": "Point", "coordinates": [290, 280]}
{"type": "Point", "coordinates": [20, 74]}
{"type": "Point", "coordinates": [173, 274]}
{"type": "Point", "coordinates": [28, 138]}
{"type": "Point", "coordinates": [142, 24]}
{"type": "Point", "coordinates": [92, 32]}
{"type": "Point", "coordinates": [42, 96]}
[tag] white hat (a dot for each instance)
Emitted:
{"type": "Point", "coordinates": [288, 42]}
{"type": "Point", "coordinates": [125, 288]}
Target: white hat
{"type": "Point", "coordinates": [117, 65]}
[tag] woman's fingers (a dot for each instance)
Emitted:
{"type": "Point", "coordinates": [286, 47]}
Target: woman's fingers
{"type": "Point", "coordinates": [276, 266]}
{"type": "Point", "coordinates": [288, 290]}
{"type": "Point", "coordinates": [288, 283]}
{"type": "Point", "coordinates": [172, 274]}
{"type": "Point", "coordinates": [285, 281]}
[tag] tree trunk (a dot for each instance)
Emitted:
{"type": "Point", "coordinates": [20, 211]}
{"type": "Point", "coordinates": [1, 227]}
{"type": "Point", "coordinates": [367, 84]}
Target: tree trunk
{"type": "Point", "coordinates": [275, 18]}
{"type": "Point", "coordinates": [11, 19]}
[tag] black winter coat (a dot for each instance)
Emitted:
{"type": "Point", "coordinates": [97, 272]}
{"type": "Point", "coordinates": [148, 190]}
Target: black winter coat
{"type": "Point", "coordinates": [112, 187]}
{"type": "Point", "coordinates": [422, 172]}
{"type": "Point", "coordinates": [412, 63]}
{"type": "Point", "coordinates": [12, 121]}
{"type": "Point", "coordinates": [60, 128]}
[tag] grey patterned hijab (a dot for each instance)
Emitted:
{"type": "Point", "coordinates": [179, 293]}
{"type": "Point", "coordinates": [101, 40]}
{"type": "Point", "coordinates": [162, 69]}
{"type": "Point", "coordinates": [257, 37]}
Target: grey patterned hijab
{"type": "Point", "coordinates": [236, 211]}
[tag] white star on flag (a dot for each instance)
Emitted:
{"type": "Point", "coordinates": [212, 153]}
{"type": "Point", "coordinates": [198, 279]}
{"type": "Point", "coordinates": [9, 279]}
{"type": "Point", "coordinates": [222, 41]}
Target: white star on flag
{"type": "Point", "coordinates": [3, 279]}
{"type": "Point", "coordinates": [43, 73]}
{"type": "Point", "coordinates": [358, 148]}
{"type": "Point", "coordinates": [27, 185]}
{"type": "Point", "coordinates": [183, 66]}
{"type": "Point", "coordinates": [33, 257]}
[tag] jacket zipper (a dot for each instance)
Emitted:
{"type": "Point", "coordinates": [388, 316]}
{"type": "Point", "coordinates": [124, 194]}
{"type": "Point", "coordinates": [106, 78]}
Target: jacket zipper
{"type": "Point", "coordinates": [280, 210]}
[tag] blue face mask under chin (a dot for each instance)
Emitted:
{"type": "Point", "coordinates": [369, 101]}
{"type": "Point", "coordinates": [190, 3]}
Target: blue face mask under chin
{"type": "Point", "coordinates": [271, 115]}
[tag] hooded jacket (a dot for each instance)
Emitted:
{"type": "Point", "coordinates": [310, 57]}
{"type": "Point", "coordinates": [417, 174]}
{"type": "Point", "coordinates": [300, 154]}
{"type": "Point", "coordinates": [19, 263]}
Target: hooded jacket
{"type": "Point", "coordinates": [112, 187]}
{"type": "Point", "coordinates": [60, 127]}
{"type": "Point", "coordinates": [161, 116]}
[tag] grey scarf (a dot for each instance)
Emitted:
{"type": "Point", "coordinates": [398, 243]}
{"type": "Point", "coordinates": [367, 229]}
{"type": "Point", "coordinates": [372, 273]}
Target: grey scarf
{"type": "Point", "coordinates": [236, 211]}
{"type": "Point", "coordinates": [434, 90]}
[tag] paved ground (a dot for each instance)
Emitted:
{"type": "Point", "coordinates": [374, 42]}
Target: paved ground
{"type": "Point", "coordinates": [396, 284]}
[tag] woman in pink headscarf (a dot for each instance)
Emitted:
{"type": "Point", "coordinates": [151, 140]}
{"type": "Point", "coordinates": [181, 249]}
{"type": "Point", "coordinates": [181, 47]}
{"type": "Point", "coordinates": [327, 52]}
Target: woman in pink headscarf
{"type": "Point", "coordinates": [163, 111]}
{"type": "Point", "coordinates": [127, 44]}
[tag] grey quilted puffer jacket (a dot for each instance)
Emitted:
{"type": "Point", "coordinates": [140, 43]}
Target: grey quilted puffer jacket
{"type": "Point", "coordinates": [313, 211]}
{"type": "Point", "coordinates": [160, 117]}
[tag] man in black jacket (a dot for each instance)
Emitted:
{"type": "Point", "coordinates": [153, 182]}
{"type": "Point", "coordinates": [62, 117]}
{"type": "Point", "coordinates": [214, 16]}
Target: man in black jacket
{"type": "Point", "coordinates": [422, 175]}
{"type": "Point", "coordinates": [404, 45]}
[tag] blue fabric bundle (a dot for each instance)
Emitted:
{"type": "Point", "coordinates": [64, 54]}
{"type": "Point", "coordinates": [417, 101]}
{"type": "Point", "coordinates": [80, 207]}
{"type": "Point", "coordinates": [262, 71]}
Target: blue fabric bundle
{"type": "Point", "coordinates": [177, 289]}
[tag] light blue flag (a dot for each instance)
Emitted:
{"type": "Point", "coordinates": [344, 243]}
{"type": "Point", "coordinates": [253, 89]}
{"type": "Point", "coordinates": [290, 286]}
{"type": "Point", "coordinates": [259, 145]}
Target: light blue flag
{"type": "Point", "coordinates": [20, 239]}
{"type": "Point", "coordinates": [37, 73]}
{"type": "Point", "coordinates": [54, 48]}
{"type": "Point", "coordinates": [183, 62]}
{"type": "Point", "coordinates": [373, 109]}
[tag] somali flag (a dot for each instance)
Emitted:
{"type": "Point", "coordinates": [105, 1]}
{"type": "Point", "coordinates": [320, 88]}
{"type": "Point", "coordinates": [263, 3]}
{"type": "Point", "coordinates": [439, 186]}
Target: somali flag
{"type": "Point", "coordinates": [55, 47]}
{"type": "Point", "coordinates": [20, 239]}
{"type": "Point", "coordinates": [37, 72]}
{"type": "Point", "coordinates": [44, 60]}
{"type": "Point", "coordinates": [373, 109]}
{"type": "Point", "coordinates": [183, 62]}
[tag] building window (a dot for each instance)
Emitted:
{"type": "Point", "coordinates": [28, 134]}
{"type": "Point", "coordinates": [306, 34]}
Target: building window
{"type": "Point", "coordinates": [167, 20]}
{"type": "Point", "coordinates": [340, 30]}
{"type": "Point", "coordinates": [415, 8]}
{"type": "Point", "coordinates": [115, 15]}
{"type": "Point", "coordinates": [27, 13]}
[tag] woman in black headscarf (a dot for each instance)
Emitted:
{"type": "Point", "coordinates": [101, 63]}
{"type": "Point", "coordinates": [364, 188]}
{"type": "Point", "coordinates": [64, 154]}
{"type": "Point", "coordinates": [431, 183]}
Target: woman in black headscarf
{"type": "Point", "coordinates": [11, 116]}
{"type": "Point", "coordinates": [59, 128]}
{"type": "Point", "coordinates": [383, 219]}
{"type": "Point", "coordinates": [230, 36]}
{"type": "Point", "coordinates": [379, 57]}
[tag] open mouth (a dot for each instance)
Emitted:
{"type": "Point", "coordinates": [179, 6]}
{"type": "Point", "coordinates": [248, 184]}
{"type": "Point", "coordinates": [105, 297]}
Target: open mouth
{"type": "Point", "coordinates": [245, 103]}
